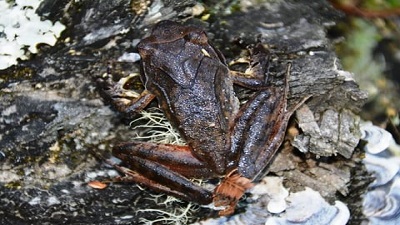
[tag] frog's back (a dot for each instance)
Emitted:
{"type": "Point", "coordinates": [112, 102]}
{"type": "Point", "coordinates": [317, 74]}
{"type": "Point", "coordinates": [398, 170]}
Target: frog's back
{"type": "Point", "coordinates": [191, 81]}
{"type": "Point", "coordinates": [203, 112]}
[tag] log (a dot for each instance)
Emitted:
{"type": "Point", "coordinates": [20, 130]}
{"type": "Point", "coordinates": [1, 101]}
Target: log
{"type": "Point", "coordinates": [53, 116]}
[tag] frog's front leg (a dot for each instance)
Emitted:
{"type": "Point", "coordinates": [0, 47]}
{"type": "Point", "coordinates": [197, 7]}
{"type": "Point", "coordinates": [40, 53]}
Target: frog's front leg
{"type": "Point", "coordinates": [126, 101]}
{"type": "Point", "coordinates": [164, 168]}
{"type": "Point", "coordinates": [256, 75]}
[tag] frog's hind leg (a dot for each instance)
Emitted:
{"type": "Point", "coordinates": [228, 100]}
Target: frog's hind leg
{"type": "Point", "coordinates": [164, 168]}
{"type": "Point", "coordinates": [260, 128]}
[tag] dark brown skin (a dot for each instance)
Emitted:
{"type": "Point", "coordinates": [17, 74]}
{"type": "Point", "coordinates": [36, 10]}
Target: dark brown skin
{"type": "Point", "coordinates": [194, 87]}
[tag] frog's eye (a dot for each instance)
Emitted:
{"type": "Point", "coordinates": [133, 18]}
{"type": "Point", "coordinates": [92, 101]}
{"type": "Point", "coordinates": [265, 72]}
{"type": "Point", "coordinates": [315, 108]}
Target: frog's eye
{"type": "Point", "coordinates": [196, 37]}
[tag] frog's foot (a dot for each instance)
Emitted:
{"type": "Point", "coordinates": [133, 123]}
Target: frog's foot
{"type": "Point", "coordinates": [229, 192]}
{"type": "Point", "coordinates": [119, 88]}
{"type": "Point", "coordinates": [121, 95]}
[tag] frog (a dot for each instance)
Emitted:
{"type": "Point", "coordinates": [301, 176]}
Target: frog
{"type": "Point", "coordinates": [225, 140]}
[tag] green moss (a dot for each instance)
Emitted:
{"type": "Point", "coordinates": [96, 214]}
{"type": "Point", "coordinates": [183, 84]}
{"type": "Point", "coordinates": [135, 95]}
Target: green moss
{"type": "Point", "coordinates": [363, 53]}
{"type": "Point", "coordinates": [356, 53]}
{"type": "Point", "coordinates": [380, 4]}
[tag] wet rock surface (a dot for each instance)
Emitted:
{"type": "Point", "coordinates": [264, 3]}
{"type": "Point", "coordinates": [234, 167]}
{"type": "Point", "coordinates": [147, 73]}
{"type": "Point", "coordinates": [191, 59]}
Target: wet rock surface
{"type": "Point", "coordinates": [53, 116]}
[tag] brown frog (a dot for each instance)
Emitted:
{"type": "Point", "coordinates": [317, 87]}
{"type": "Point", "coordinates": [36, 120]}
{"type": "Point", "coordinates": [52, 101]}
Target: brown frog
{"type": "Point", "coordinates": [194, 87]}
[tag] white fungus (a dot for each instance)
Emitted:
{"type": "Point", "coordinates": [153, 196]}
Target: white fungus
{"type": "Point", "coordinates": [21, 27]}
